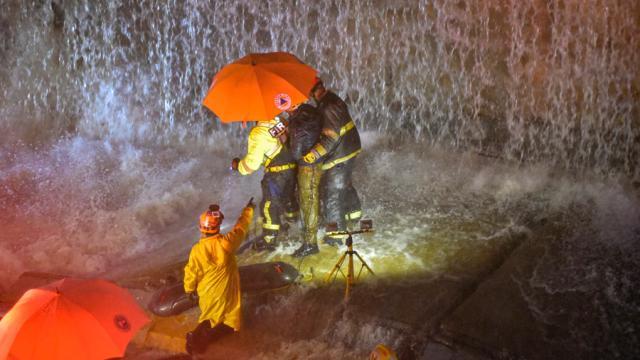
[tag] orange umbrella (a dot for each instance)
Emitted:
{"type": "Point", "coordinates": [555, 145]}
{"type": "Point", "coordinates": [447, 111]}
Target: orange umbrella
{"type": "Point", "coordinates": [71, 319]}
{"type": "Point", "coordinates": [259, 87]}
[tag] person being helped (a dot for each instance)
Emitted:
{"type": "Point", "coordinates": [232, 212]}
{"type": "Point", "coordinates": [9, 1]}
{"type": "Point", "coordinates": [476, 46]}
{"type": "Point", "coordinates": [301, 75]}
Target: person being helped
{"type": "Point", "coordinates": [304, 130]}
{"type": "Point", "coordinates": [211, 277]}
{"type": "Point", "coordinates": [279, 181]}
{"type": "Point", "coordinates": [337, 148]}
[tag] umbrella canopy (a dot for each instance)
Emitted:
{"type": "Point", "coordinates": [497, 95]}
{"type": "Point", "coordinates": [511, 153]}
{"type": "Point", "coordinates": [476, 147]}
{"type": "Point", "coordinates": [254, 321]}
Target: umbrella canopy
{"type": "Point", "coordinates": [71, 319]}
{"type": "Point", "coordinates": [259, 87]}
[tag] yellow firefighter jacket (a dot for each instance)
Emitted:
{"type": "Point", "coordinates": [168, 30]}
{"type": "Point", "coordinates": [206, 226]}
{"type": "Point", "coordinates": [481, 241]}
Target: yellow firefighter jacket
{"type": "Point", "coordinates": [213, 271]}
{"type": "Point", "coordinates": [261, 149]}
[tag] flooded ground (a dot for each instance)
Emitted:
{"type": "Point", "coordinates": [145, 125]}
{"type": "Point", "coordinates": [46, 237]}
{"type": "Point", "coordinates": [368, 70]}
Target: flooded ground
{"type": "Point", "coordinates": [473, 257]}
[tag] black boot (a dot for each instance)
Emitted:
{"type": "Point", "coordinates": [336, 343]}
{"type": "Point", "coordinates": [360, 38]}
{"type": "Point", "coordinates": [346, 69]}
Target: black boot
{"type": "Point", "coordinates": [197, 339]}
{"type": "Point", "coordinates": [306, 249]}
{"type": "Point", "coordinates": [267, 242]}
{"type": "Point", "coordinates": [263, 246]}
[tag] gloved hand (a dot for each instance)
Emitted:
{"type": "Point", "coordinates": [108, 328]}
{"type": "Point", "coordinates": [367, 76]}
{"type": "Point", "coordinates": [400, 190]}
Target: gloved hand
{"type": "Point", "coordinates": [251, 204]}
{"type": "Point", "coordinates": [193, 297]}
{"type": "Point", "coordinates": [311, 157]}
{"type": "Point", "coordinates": [234, 164]}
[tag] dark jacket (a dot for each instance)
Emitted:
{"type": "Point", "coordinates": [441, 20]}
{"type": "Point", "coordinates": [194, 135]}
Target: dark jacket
{"type": "Point", "coordinates": [283, 158]}
{"type": "Point", "coordinates": [339, 140]}
{"type": "Point", "coordinates": [305, 126]}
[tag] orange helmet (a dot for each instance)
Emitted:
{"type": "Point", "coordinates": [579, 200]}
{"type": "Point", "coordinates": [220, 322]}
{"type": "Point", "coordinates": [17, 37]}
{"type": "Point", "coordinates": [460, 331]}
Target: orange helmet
{"type": "Point", "coordinates": [211, 219]}
{"type": "Point", "coordinates": [382, 352]}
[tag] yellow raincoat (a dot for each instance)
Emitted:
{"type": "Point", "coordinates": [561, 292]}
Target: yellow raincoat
{"type": "Point", "coordinates": [262, 147]}
{"type": "Point", "coordinates": [212, 270]}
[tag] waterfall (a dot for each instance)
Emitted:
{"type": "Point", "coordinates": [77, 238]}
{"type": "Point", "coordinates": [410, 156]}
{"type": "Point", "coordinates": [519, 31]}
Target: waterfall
{"type": "Point", "coordinates": [553, 81]}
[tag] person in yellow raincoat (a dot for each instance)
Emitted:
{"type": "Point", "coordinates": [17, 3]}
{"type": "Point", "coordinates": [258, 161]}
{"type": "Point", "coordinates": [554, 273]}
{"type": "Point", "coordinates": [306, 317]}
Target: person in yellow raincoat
{"type": "Point", "coordinates": [212, 276]}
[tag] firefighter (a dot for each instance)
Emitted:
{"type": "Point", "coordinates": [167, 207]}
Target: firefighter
{"type": "Point", "coordinates": [211, 276]}
{"type": "Point", "coordinates": [304, 130]}
{"type": "Point", "coordinates": [279, 181]}
{"type": "Point", "coordinates": [337, 149]}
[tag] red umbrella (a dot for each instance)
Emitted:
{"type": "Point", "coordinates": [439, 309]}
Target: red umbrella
{"type": "Point", "coordinates": [259, 87]}
{"type": "Point", "coordinates": [71, 319]}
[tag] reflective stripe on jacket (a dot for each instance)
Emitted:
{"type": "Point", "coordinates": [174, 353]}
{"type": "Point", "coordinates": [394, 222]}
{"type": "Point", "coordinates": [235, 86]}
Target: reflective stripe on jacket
{"type": "Point", "coordinates": [340, 140]}
{"type": "Point", "coordinates": [262, 149]}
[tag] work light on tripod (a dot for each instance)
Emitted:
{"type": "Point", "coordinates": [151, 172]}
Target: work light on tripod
{"type": "Point", "coordinates": [366, 226]}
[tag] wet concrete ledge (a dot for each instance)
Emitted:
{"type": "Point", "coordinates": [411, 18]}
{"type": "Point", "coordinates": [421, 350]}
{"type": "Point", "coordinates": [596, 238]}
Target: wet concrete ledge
{"type": "Point", "coordinates": [496, 318]}
{"type": "Point", "coordinates": [416, 307]}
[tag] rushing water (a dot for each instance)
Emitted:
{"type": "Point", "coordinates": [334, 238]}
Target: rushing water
{"type": "Point", "coordinates": [554, 80]}
{"type": "Point", "coordinates": [106, 153]}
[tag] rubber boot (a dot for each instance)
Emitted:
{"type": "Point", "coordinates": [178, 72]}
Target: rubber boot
{"type": "Point", "coordinates": [305, 249]}
{"type": "Point", "coordinates": [267, 242]}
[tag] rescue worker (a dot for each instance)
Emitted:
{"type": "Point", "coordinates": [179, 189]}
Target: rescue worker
{"type": "Point", "coordinates": [337, 148]}
{"type": "Point", "coordinates": [211, 276]}
{"type": "Point", "coordinates": [304, 131]}
{"type": "Point", "coordinates": [279, 181]}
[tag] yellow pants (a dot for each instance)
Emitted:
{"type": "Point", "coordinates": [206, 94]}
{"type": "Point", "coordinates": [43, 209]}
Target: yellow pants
{"type": "Point", "coordinates": [308, 189]}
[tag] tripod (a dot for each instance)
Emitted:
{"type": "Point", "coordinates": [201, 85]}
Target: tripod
{"type": "Point", "coordinates": [351, 280]}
